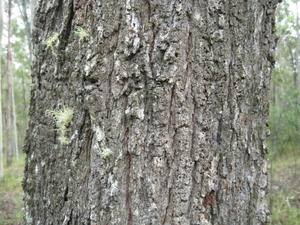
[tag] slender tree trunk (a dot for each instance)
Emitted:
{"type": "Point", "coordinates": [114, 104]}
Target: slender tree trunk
{"type": "Point", "coordinates": [273, 92]}
{"type": "Point", "coordinates": [170, 101]}
{"type": "Point", "coordinates": [1, 128]}
{"type": "Point", "coordinates": [297, 79]}
{"type": "Point", "coordinates": [12, 145]}
{"type": "Point", "coordinates": [25, 104]}
{"type": "Point", "coordinates": [24, 5]}
{"type": "Point", "coordinates": [4, 103]}
{"type": "Point", "coordinates": [15, 128]}
{"type": "Point", "coordinates": [32, 7]}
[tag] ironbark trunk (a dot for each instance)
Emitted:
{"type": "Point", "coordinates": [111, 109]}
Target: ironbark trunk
{"type": "Point", "coordinates": [170, 101]}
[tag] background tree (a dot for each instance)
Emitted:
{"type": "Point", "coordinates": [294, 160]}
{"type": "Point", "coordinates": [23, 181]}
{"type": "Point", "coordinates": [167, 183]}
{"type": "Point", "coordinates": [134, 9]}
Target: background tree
{"type": "Point", "coordinates": [12, 143]}
{"type": "Point", "coordinates": [24, 8]}
{"type": "Point", "coordinates": [1, 128]}
{"type": "Point", "coordinates": [284, 118]}
{"type": "Point", "coordinates": [149, 112]}
{"type": "Point", "coordinates": [21, 77]}
{"type": "Point", "coordinates": [11, 193]}
{"type": "Point", "coordinates": [285, 111]}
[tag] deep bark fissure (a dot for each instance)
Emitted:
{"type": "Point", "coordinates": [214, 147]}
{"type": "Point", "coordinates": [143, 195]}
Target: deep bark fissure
{"type": "Point", "coordinates": [195, 162]}
{"type": "Point", "coordinates": [172, 139]}
{"type": "Point", "coordinates": [67, 28]}
{"type": "Point", "coordinates": [189, 51]}
{"type": "Point", "coordinates": [127, 164]}
{"type": "Point", "coordinates": [152, 45]}
{"type": "Point", "coordinates": [128, 190]}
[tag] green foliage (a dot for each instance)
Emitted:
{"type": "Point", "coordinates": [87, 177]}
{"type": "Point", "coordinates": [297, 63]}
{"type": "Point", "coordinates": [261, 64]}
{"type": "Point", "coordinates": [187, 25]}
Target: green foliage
{"type": "Point", "coordinates": [105, 153]}
{"type": "Point", "coordinates": [284, 122]}
{"type": "Point", "coordinates": [11, 194]}
{"type": "Point", "coordinates": [284, 211]}
{"type": "Point", "coordinates": [285, 108]}
{"type": "Point", "coordinates": [284, 192]}
{"type": "Point", "coordinates": [51, 41]}
{"type": "Point", "coordinates": [62, 118]}
{"type": "Point", "coordinates": [81, 33]}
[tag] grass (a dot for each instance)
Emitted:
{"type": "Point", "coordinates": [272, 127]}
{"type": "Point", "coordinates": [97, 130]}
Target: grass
{"type": "Point", "coordinates": [285, 208]}
{"type": "Point", "coordinates": [11, 194]}
{"type": "Point", "coordinates": [285, 189]}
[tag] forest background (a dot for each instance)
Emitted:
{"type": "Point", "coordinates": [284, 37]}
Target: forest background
{"type": "Point", "coordinates": [283, 123]}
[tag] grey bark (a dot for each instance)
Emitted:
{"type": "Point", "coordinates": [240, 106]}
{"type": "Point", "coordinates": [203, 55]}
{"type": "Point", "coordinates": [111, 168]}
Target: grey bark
{"type": "Point", "coordinates": [176, 90]}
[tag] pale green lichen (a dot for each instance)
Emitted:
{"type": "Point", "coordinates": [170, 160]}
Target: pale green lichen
{"type": "Point", "coordinates": [105, 153]}
{"type": "Point", "coordinates": [62, 119]}
{"type": "Point", "coordinates": [81, 33]}
{"type": "Point", "coordinates": [51, 41]}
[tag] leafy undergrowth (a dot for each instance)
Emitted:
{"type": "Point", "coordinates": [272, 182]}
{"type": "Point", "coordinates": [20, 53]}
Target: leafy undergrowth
{"type": "Point", "coordinates": [11, 194]}
{"type": "Point", "coordinates": [285, 190]}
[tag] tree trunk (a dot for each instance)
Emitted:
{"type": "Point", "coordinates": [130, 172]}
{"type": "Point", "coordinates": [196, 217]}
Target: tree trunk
{"type": "Point", "coordinates": [12, 144]}
{"type": "Point", "coordinates": [1, 127]}
{"type": "Point", "coordinates": [170, 101]}
{"type": "Point", "coordinates": [24, 5]}
{"type": "Point", "coordinates": [297, 50]}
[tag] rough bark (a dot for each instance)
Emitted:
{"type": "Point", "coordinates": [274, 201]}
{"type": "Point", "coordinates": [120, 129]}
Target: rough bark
{"type": "Point", "coordinates": [176, 90]}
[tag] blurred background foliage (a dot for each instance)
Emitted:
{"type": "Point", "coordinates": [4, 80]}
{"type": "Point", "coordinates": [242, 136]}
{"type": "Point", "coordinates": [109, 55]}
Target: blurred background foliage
{"type": "Point", "coordinates": [284, 108]}
{"type": "Point", "coordinates": [284, 123]}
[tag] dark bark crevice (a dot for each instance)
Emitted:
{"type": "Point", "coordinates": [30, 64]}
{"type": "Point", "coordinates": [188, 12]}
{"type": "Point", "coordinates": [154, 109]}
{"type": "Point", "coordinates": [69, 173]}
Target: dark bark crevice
{"type": "Point", "coordinates": [128, 188]}
{"type": "Point", "coordinates": [194, 161]}
{"type": "Point", "coordinates": [172, 159]}
{"type": "Point", "coordinates": [67, 26]}
{"type": "Point", "coordinates": [127, 165]}
{"type": "Point", "coordinates": [166, 217]}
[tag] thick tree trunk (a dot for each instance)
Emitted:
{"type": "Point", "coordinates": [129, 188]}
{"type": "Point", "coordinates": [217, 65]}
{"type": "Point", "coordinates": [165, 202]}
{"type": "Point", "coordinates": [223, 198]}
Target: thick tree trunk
{"type": "Point", "coordinates": [170, 100]}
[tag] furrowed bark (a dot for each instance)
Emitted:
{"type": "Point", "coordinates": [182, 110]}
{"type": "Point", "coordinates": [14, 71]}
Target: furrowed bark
{"type": "Point", "coordinates": [175, 91]}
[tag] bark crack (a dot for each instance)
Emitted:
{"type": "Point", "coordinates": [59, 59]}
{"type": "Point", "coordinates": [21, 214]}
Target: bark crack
{"type": "Point", "coordinates": [109, 83]}
{"type": "Point", "coordinates": [128, 191]}
{"type": "Point", "coordinates": [67, 29]}
{"type": "Point", "coordinates": [192, 155]}
{"type": "Point", "coordinates": [151, 50]}
{"type": "Point", "coordinates": [188, 52]}
{"type": "Point", "coordinates": [173, 151]}
{"type": "Point", "coordinates": [128, 162]}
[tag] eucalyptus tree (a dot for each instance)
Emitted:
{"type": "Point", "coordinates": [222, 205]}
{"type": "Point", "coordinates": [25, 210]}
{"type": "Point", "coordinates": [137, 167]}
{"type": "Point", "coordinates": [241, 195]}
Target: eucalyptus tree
{"type": "Point", "coordinates": [12, 143]}
{"type": "Point", "coordinates": [149, 112]}
{"type": "Point", "coordinates": [25, 7]}
{"type": "Point", "coordinates": [1, 72]}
